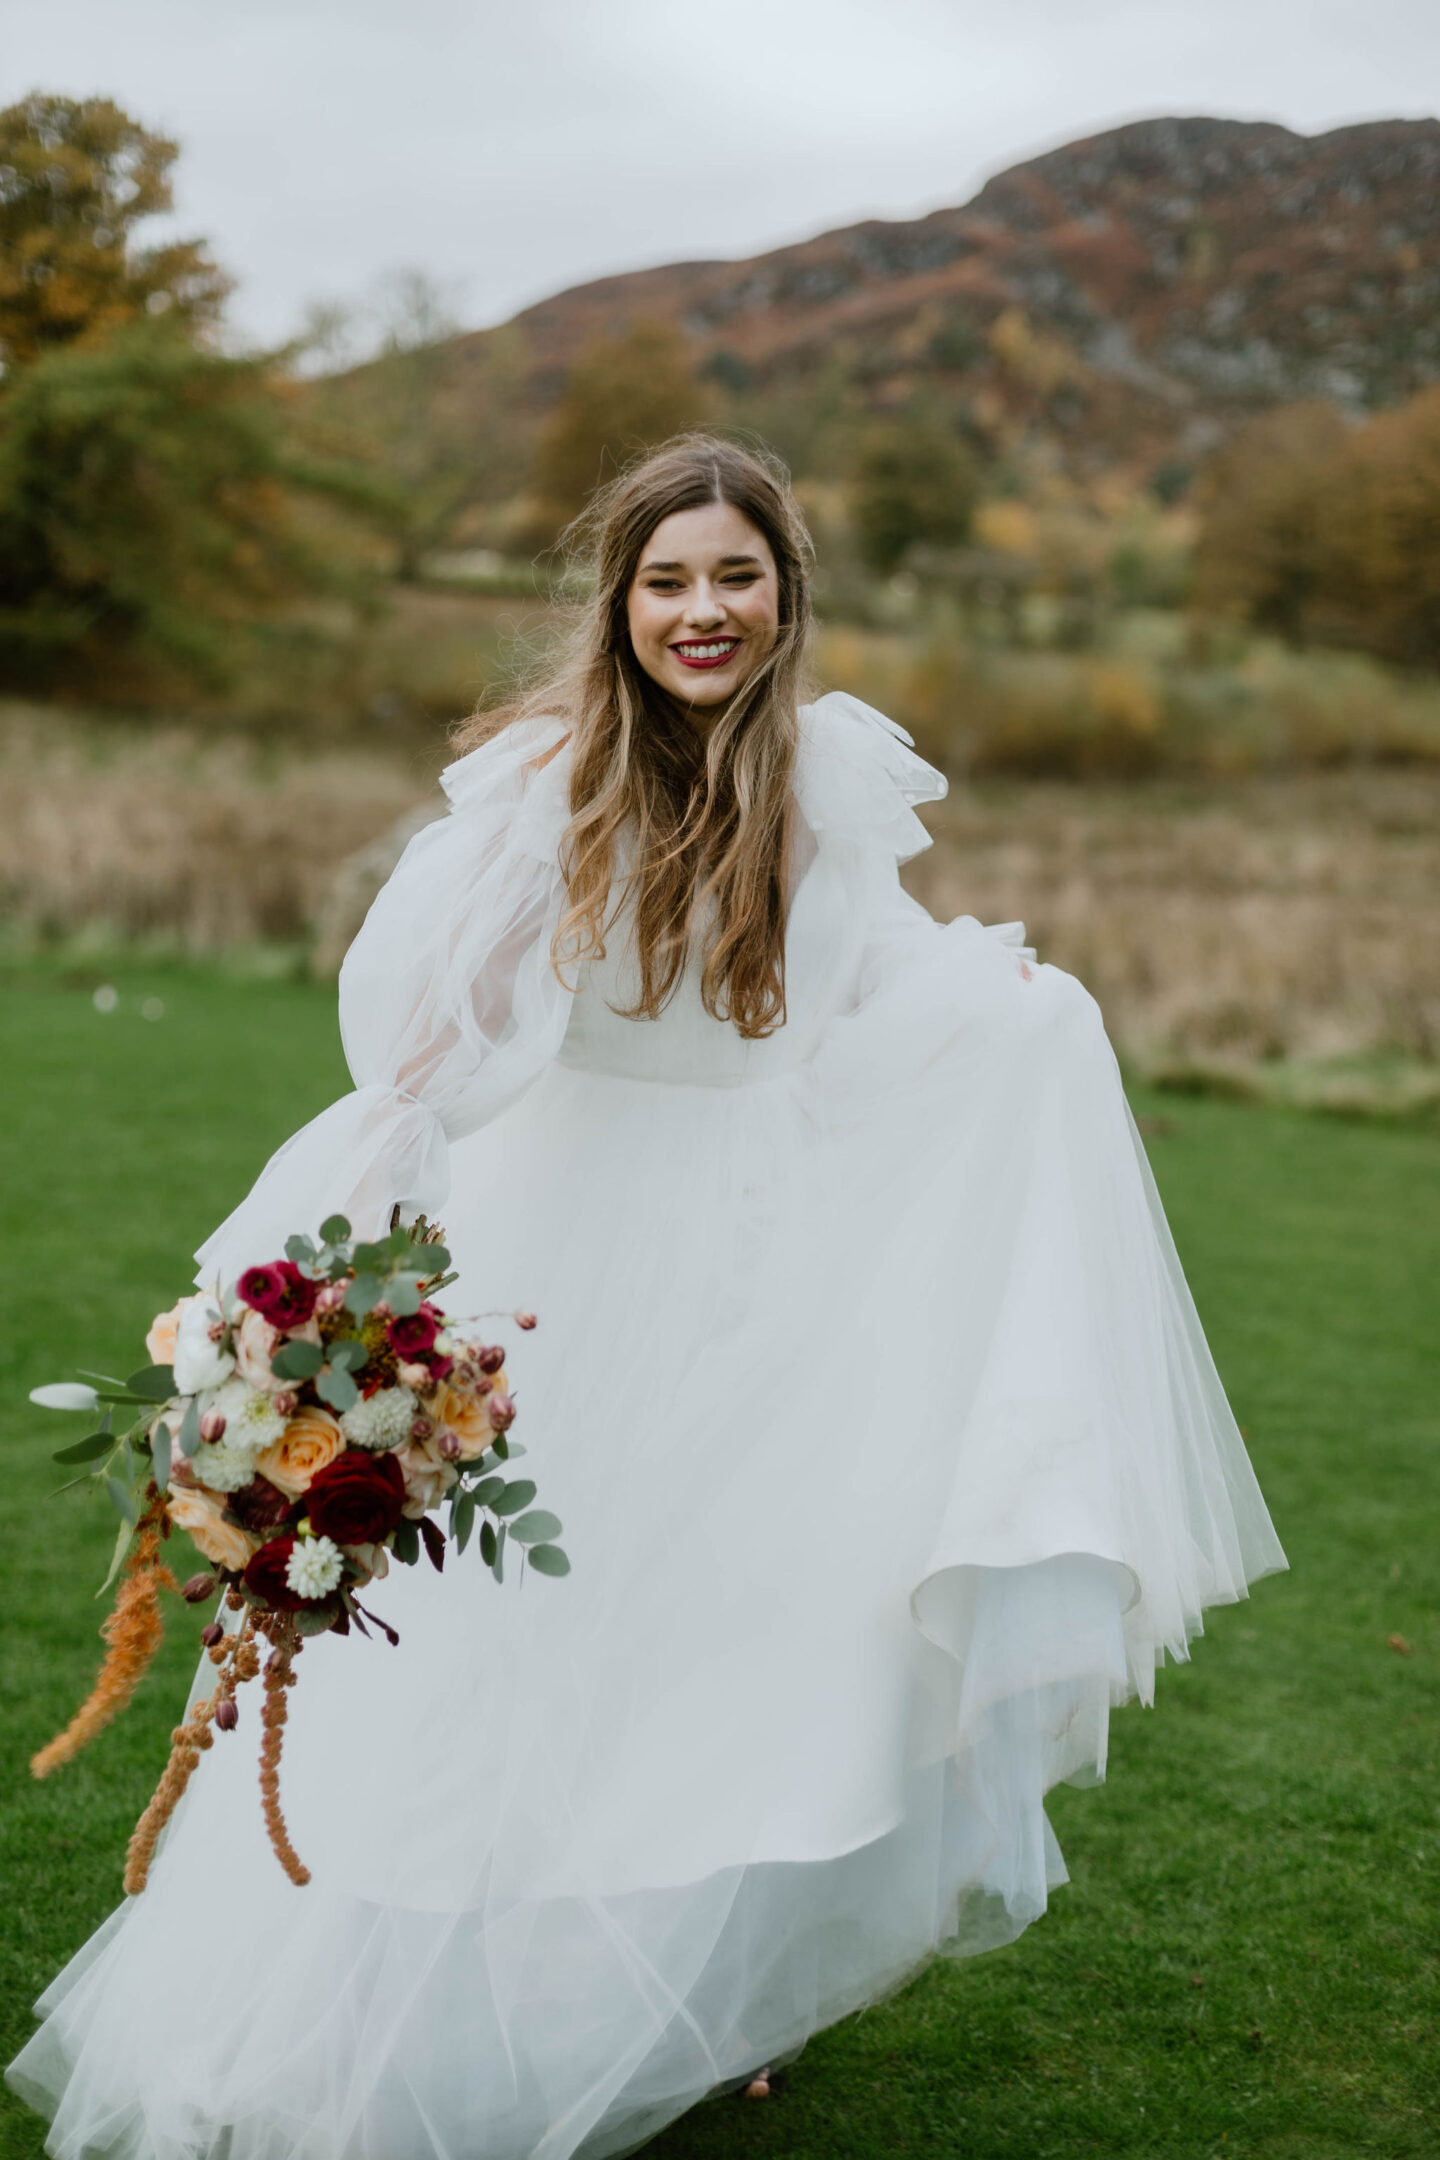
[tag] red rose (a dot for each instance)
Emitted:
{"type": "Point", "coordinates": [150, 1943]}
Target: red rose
{"type": "Point", "coordinates": [265, 1575]}
{"type": "Point", "coordinates": [279, 1293]}
{"type": "Point", "coordinates": [357, 1499]}
{"type": "Point", "coordinates": [412, 1335]}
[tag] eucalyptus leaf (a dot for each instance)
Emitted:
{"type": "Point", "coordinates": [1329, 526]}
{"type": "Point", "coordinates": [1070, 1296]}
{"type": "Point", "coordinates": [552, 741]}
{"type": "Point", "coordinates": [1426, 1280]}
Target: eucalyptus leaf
{"type": "Point", "coordinates": [365, 1291]}
{"type": "Point", "coordinates": [517, 1494]}
{"type": "Point", "coordinates": [548, 1560]}
{"type": "Point", "coordinates": [312, 1621]}
{"type": "Point", "coordinates": [190, 1427]}
{"type": "Point", "coordinates": [500, 1446]}
{"type": "Point", "coordinates": [398, 1242]}
{"type": "Point", "coordinates": [122, 1546]}
{"type": "Point", "coordinates": [160, 1455]}
{"type": "Point", "coordinates": [299, 1248]}
{"type": "Point", "coordinates": [65, 1395]}
{"type": "Point", "coordinates": [537, 1527]}
{"type": "Point", "coordinates": [488, 1543]}
{"type": "Point", "coordinates": [407, 1543]}
{"type": "Point", "coordinates": [370, 1259]}
{"type": "Point", "coordinates": [297, 1361]}
{"type": "Point", "coordinates": [403, 1294]}
{"type": "Point", "coordinates": [349, 1355]}
{"type": "Point", "coordinates": [153, 1383]}
{"type": "Point", "coordinates": [335, 1229]}
{"type": "Point", "coordinates": [90, 1449]}
{"type": "Point", "coordinates": [338, 1389]}
{"type": "Point", "coordinates": [122, 1500]}
{"type": "Point", "coordinates": [497, 1565]}
{"type": "Point", "coordinates": [485, 1493]}
{"type": "Point", "coordinates": [463, 1520]}
{"type": "Point", "coordinates": [86, 1477]}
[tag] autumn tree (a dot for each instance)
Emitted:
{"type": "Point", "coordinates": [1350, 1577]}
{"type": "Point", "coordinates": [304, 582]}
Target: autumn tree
{"type": "Point", "coordinates": [77, 176]}
{"type": "Point", "coordinates": [1268, 532]}
{"type": "Point", "coordinates": [623, 395]}
{"type": "Point", "coordinates": [914, 484]}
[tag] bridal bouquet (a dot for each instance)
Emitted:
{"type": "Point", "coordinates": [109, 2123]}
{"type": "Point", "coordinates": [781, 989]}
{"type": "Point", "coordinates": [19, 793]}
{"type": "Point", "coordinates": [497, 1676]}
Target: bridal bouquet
{"type": "Point", "coordinates": [300, 1428]}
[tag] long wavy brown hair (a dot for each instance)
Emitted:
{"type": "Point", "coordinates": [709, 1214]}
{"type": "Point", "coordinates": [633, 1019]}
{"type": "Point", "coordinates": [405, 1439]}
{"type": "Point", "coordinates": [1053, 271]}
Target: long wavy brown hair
{"type": "Point", "coordinates": [693, 821]}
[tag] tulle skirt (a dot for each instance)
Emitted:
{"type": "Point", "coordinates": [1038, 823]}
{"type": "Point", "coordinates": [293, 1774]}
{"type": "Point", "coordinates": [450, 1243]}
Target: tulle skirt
{"type": "Point", "coordinates": [890, 1458]}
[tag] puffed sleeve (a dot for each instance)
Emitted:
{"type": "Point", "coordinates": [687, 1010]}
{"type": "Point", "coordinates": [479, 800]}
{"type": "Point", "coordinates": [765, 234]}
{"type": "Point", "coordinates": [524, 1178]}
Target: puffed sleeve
{"type": "Point", "coordinates": [449, 1007]}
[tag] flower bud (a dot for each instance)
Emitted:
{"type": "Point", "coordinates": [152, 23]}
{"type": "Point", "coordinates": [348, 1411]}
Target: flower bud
{"type": "Point", "coordinates": [500, 1409]}
{"type": "Point", "coordinates": [331, 1299]}
{"type": "Point", "coordinates": [490, 1358]}
{"type": "Point", "coordinates": [211, 1634]}
{"type": "Point", "coordinates": [212, 1425]}
{"type": "Point", "coordinates": [198, 1588]}
{"type": "Point", "coordinates": [420, 1428]}
{"type": "Point", "coordinates": [287, 1402]}
{"type": "Point", "coordinates": [449, 1446]}
{"type": "Point", "coordinates": [227, 1717]}
{"type": "Point", "coordinates": [382, 1309]}
{"type": "Point", "coordinates": [526, 1320]}
{"type": "Point", "coordinates": [216, 1331]}
{"type": "Point", "coordinates": [415, 1377]}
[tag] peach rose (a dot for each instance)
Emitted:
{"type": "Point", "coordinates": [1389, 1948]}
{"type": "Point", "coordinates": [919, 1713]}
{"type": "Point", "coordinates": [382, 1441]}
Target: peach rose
{"type": "Point", "coordinates": [200, 1515]}
{"type": "Point", "coordinates": [428, 1477]}
{"type": "Point", "coordinates": [311, 1440]}
{"type": "Point", "coordinates": [164, 1328]}
{"type": "Point", "coordinates": [456, 1410]}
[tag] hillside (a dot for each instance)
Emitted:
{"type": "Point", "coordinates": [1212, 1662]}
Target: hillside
{"type": "Point", "coordinates": [1133, 292]}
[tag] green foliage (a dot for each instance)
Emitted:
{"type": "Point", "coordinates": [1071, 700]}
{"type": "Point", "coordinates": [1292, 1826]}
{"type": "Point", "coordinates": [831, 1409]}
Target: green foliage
{"type": "Point", "coordinates": [76, 177]}
{"type": "Point", "coordinates": [624, 395]}
{"type": "Point", "coordinates": [147, 510]}
{"type": "Point", "coordinates": [914, 485]}
{"type": "Point", "coordinates": [1243, 1963]}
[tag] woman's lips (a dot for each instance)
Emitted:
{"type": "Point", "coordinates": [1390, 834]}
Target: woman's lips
{"type": "Point", "coordinates": [706, 653]}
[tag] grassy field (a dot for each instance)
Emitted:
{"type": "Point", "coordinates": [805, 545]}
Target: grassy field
{"type": "Point", "coordinates": [1245, 1963]}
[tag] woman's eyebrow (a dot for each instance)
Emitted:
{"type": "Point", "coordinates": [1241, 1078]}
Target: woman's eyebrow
{"type": "Point", "coordinates": [727, 562]}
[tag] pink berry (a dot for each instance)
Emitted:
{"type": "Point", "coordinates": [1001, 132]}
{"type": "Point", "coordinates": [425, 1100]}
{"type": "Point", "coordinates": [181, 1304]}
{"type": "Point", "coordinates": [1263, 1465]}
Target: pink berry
{"type": "Point", "coordinates": [227, 1717]}
{"type": "Point", "coordinates": [212, 1425]}
{"type": "Point", "coordinates": [490, 1359]}
{"type": "Point", "coordinates": [500, 1410]}
{"type": "Point", "coordinates": [526, 1320]}
{"type": "Point", "coordinates": [198, 1588]}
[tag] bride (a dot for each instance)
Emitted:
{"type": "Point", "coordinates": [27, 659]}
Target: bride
{"type": "Point", "coordinates": [889, 1450]}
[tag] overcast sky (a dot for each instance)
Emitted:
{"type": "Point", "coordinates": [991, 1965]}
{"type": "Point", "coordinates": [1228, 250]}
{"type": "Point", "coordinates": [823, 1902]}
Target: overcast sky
{"type": "Point", "coordinates": [513, 147]}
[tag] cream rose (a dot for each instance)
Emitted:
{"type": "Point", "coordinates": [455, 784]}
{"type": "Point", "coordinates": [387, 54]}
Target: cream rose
{"type": "Point", "coordinates": [200, 1516]}
{"type": "Point", "coordinates": [456, 1410]}
{"type": "Point", "coordinates": [428, 1477]}
{"type": "Point", "coordinates": [255, 1345]}
{"type": "Point", "coordinates": [311, 1440]}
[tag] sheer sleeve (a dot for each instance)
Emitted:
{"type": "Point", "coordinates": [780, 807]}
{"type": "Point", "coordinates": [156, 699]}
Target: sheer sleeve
{"type": "Point", "coordinates": [449, 1007]}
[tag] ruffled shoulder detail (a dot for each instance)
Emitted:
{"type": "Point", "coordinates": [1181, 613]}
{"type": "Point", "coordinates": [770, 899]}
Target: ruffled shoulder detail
{"type": "Point", "coordinates": [505, 778]}
{"type": "Point", "coordinates": [859, 778]}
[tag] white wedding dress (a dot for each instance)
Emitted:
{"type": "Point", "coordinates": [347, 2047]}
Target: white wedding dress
{"type": "Point", "coordinates": [890, 1457]}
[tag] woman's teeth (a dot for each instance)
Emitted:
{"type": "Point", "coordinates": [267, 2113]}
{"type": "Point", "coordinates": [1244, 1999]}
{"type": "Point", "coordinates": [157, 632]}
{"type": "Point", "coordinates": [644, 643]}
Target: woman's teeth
{"type": "Point", "coordinates": [707, 652]}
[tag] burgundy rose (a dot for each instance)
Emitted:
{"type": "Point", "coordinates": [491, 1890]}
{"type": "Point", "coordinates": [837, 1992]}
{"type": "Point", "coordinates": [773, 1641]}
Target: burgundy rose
{"type": "Point", "coordinates": [265, 1575]}
{"type": "Point", "coordinates": [261, 1506]}
{"type": "Point", "coordinates": [357, 1499]}
{"type": "Point", "coordinates": [279, 1293]}
{"type": "Point", "coordinates": [412, 1335]}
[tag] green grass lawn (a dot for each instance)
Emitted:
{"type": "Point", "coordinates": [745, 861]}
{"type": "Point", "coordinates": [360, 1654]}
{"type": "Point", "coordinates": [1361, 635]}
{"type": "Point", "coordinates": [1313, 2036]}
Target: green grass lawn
{"type": "Point", "coordinates": [1245, 1962]}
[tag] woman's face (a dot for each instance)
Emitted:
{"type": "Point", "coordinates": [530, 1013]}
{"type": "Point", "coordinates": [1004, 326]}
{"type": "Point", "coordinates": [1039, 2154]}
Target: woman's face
{"type": "Point", "coordinates": [704, 605]}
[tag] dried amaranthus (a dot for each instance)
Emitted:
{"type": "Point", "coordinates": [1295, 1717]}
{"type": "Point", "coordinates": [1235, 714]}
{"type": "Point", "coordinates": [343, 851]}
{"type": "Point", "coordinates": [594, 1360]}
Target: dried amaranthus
{"type": "Point", "coordinates": [279, 1675]}
{"type": "Point", "coordinates": [237, 1660]}
{"type": "Point", "coordinates": [133, 1632]}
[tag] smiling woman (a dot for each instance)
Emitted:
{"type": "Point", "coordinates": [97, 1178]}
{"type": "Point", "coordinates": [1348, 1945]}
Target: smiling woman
{"type": "Point", "coordinates": [890, 1452]}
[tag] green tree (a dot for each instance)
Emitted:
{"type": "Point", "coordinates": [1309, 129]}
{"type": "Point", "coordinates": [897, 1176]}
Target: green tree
{"type": "Point", "coordinates": [148, 498]}
{"type": "Point", "coordinates": [76, 177]}
{"type": "Point", "coordinates": [914, 484]}
{"type": "Point", "coordinates": [624, 394]}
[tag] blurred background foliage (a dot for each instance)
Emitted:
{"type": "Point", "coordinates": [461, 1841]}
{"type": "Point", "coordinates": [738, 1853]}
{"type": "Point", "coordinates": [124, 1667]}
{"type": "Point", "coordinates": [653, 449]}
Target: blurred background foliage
{"type": "Point", "coordinates": [244, 595]}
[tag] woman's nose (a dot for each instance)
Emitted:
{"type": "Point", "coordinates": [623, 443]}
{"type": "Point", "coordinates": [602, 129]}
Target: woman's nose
{"type": "Point", "coordinates": [705, 606]}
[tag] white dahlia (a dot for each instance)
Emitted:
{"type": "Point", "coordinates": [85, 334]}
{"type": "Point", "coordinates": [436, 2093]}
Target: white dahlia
{"type": "Point", "coordinates": [314, 1567]}
{"type": "Point", "coordinates": [221, 1467]}
{"type": "Point", "coordinates": [381, 1421]}
{"type": "Point", "coordinates": [252, 1421]}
